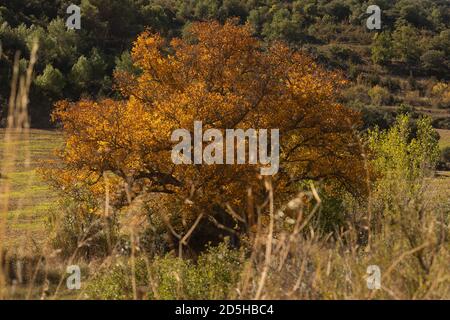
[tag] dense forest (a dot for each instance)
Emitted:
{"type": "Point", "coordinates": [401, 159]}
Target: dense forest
{"type": "Point", "coordinates": [414, 44]}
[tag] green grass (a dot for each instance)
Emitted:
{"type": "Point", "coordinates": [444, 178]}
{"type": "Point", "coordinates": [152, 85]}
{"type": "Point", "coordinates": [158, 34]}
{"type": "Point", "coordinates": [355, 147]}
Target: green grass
{"type": "Point", "coordinates": [30, 198]}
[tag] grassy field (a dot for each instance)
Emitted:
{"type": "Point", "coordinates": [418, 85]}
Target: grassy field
{"type": "Point", "coordinates": [30, 197]}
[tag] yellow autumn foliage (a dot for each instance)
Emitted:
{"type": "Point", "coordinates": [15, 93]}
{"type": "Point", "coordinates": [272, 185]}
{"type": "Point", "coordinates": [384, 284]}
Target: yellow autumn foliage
{"type": "Point", "coordinates": [228, 79]}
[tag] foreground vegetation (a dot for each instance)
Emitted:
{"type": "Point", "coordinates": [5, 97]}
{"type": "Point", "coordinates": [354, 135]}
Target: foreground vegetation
{"type": "Point", "coordinates": [320, 266]}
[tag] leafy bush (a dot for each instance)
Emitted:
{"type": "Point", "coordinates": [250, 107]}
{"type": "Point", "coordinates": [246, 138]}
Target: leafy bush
{"type": "Point", "coordinates": [446, 154]}
{"type": "Point", "coordinates": [211, 277]}
{"type": "Point", "coordinates": [441, 94]}
{"type": "Point", "coordinates": [402, 161]}
{"type": "Point", "coordinates": [406, 109]}
{"type": "Point", "coordinates": [391, 83]}
{"type": "Point", "coordinates": [51, 80]}
{"type": "Point", "coordinates": [434, 62]}
{"type": "Point", "coordinates": [382, 48]}
{"type": "Point", "coordinates": [76, 231]}
{"type": "Point", "coordinates": [406, 43]}
{"type": "Point", "coordinates": [373, 117]}
{"type": "Point", "coordinates": [357, 93]}
{"type": "Point", "coordinates": [379, 95]}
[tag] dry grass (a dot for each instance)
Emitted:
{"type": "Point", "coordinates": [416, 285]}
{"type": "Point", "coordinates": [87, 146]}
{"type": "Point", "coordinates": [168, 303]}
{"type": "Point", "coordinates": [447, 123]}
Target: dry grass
{"type": "Point", "coordinates": [413, 258]}
{"type": "Point", "coordinates": [17, 130]}
{"type": "Point", "coordinates": [300, 262]}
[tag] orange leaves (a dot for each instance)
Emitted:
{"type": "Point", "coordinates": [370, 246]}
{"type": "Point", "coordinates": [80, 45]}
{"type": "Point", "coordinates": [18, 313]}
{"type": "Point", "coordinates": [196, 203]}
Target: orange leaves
{"type": "Point", "coordinates": [224, 77]}
{"type": "Point", "coordinates": [146, 51]}
{"type": "Point", "coordinates": [100, 134]}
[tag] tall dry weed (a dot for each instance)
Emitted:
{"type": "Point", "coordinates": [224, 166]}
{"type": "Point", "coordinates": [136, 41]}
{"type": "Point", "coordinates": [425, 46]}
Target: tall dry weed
{"type": "Point", "coordinates": [16, 131]}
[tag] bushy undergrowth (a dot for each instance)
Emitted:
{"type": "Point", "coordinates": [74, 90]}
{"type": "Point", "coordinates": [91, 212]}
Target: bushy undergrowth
{"type": "Point", "coordinates": [210, 277]}
{"type": "Point", "coordinates": [76, 232]}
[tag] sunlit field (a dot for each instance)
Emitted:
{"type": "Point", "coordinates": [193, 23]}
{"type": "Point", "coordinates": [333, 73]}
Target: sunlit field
{"type": "Point", "coordinates": [30, 198]}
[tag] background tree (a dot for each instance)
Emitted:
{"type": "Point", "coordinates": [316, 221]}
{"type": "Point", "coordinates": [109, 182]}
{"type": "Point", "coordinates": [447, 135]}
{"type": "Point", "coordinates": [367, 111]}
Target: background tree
{"type": "Point", "coordinates": [406, 43]}
{"type": "Point", "coordinates": [51, 81]}
{"type": "Point", "coordinates": [435, 62]}
{"type": "Point", "coordinates": [382, 48]}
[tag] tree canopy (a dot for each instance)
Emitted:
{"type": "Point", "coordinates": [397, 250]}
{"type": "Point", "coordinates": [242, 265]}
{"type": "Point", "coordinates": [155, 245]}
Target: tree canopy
{"type": "Point", "coordinates": [228, 79]}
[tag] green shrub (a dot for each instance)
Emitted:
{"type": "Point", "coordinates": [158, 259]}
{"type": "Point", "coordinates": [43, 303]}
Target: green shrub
{"type": "Point", "coordinates": [406, 43]}
{"type": "Point", "coordinates": [357, 93]}
{"type": "Point", "coordinates": [433, 61]}
{"type": "Point", "coordinates": [115, 282]}
{"type": "Point", "coordinates": [77, 232]}
{"type": "Point", "coordinates": [51, 80]}
{"type": "Point", "coordinates": [382, 48]}
{"type": "Point", "coordinates": [406, 109]}
{"type": "Point", "coordinates": [212, 276]}
{"type": "Point", "coordinates": [373, 117]}
{"type": "Point", "coordinates": [332, 214]}
{"type": "Point", "coordinates": [391, 83]}
{"type": "Point", "coordinates": [402, 161]}
{"type": "Point", "coordinates": [379, 95]}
